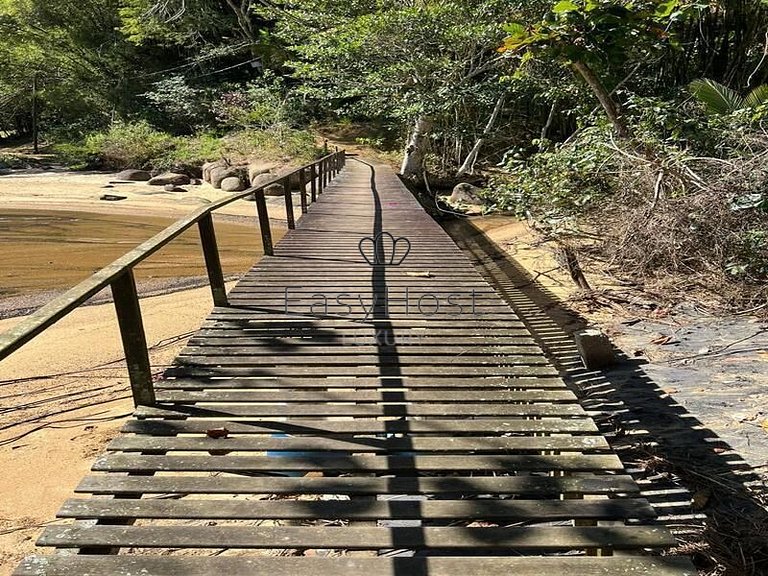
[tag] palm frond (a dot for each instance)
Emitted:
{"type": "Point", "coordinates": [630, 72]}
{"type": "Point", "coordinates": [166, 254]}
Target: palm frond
{"type": "Point", "coordinates": [757, 97]}
{"type": "Point", "coordinates": [717, 98]}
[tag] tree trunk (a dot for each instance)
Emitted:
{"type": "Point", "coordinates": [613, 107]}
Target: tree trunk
{"type": "Point", "coordinates": [413, 159]}
{"type": "Point", "coordinates": [547, 126]}
{"type": "Point", "coordinates": [469, 162]}
{"type": "Point", "coordinates": [608, 104]}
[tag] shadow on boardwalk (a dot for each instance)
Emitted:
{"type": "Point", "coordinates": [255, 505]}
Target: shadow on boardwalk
{"type": "Point", "coordinates": [703, 490]}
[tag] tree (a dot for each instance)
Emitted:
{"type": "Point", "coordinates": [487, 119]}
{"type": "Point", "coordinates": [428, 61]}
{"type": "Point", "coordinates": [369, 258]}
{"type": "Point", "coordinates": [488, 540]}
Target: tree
{"type": "Point", "coordinates": [73, 54]}
{"type": "Point", "coordinates": [421, 65]}
{"type": "Point", "coordinates": [590, 35]}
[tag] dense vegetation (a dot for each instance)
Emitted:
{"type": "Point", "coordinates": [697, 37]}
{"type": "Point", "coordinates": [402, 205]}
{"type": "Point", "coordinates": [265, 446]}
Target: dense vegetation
{"type": "Point", "coordinates": [630, 130]}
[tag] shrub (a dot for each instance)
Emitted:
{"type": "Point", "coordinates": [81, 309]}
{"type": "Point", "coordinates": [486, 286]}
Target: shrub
{"type": "Point", "coordinates": [273, 144]}
{"type": "Point", "coordinates": [123, 145]}
{"type": "Point", "coordinates": [683, 204]}
{"type": "Point", "coordinates": [190, 151]}
{"type": "Point", "coordinates": [563, 181]}
{"type": "Point", "coordinates": [183, 107]}
{"type": "Point", "coordinates": [139, 145]}
{"type": "Point", "coordinates": [264, 104]}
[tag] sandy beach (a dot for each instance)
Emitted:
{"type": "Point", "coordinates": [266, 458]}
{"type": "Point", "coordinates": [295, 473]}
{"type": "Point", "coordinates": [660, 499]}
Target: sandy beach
{"type": "Point", "coordinates": [66, 393]}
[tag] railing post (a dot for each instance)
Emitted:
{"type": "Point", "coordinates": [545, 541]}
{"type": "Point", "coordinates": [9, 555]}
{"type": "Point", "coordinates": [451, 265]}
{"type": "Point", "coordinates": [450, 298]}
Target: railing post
{"type": "Point", "coordinates": [288, 203]}
{"type": "Point", "coordinates": [212, 260]}
{"type": "Point", "coordinates": [313, 182]}
{"type": "Point", "coordinates": [320, 177]}
{"type": "Point", "coordinates": [266, 233]}
{"type": "Point", "coordinates": [303, 188]}
{"type": "Point", "coordinates": [134, 340]}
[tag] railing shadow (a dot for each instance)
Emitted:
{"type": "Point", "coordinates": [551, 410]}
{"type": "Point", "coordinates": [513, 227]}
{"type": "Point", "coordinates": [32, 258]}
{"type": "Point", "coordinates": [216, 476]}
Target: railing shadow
{"type": "Point", "coordinates": [703, 490]}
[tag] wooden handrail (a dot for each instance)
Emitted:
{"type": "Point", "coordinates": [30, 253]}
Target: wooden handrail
{"type": "Point", "coordinates": [119, 275]}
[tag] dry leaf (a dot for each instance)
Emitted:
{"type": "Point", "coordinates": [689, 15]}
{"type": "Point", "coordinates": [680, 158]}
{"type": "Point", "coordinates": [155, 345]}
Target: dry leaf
{"type": "Point", "coordinates": [764, 425]}
{"type": "Point", "coordinates": [217, 433]}
{"type": "Point", "coordinates": [701, 499]}
{"type": "Point", "coordinates": [661, 339]}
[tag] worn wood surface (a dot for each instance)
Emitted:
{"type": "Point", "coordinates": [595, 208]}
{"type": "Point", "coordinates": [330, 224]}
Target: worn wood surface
{"type": "Point", "coordinates": [364, 404]}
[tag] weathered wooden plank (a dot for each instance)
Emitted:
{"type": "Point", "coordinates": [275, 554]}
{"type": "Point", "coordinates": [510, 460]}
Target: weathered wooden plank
{"type": "Point", "coordinates": [415, 383]}
{"type": "Point", "coordinates": [472, 444]}
{"type": "Point", "coordinates": [357, 410]}
{"type": "Point", "coordinates": [359, 509]}
{"type": "Point", "coordinates": [222, 346]}
{"type": "Point", "coordinates": [364, 426]}
{"type": "Point", "coordinates": [384, 370]}
{"type": "Point", "coordinates": [245, 317]}
{"type": "Point", "coordinates": [358, 538]}
{"type": "Point", "coordinates": [366, 396]}
{"type": "Point", "coordinates": [419, 344]}
{"type": "Point", "coordinates": [147, 565]}
{"type": "Point", "coordinates": [396, 462]}
{"type": "Point", "coordinates": [307, 359]}
{"type": "Point", "coordinates": [531, 485]}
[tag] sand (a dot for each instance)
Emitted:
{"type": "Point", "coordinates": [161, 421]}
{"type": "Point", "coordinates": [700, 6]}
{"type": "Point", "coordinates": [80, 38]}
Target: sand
{"type": "Point", "coordinates": [81, 412]}
{"type": "Point", "coordinates": [54, 232]}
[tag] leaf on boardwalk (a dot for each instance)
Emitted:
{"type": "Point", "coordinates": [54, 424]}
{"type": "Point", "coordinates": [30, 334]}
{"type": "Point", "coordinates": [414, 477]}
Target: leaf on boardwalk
{"type": "Point", "coordinates": [701, 499]}
{"type": "Point", "coordinates": [217, 433]}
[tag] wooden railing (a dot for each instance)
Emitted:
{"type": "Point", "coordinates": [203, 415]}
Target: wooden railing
{"type": "Point", "coordinates": [120, 278]}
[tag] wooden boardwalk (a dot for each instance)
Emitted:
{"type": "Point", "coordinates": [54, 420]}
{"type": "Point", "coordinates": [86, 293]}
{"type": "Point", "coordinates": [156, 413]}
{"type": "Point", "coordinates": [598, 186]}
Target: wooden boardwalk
{"type": "Point", "coordinates": [366, 404]}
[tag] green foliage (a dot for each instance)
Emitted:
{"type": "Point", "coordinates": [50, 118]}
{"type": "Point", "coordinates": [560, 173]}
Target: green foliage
{"type": "Point", "coordinates": [263, 104]}
{"type": "Point", "coordinates": [750, 263]}
{"type": "Point", "coordinates": [72, 51]}
{"type": "Point", "coordinates": [172, 23]}
{"type": "Point", "coordinates": [398, 61]}
{"type": "Point", "coordinates": [597, 31]}
{"type": "Point", "coordinates": [566, 180]}
{"type": "Point", "coordinates": [139, 145]}
{"type": "Point", "coordinates": [182, 106]}
{"type": "Point", "coordinates": [123, 145]}
{"type": "Point", "coordinates": [591, 30]}
{"type": "Point", "coordinates": [272, 144]}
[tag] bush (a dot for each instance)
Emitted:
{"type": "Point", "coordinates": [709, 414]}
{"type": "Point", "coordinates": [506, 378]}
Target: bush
{"type": "Point", "coordinates": [190, 151]}
{"type": "Point", "coordinates": [265, 104]}
{"type": "Point", "coordinates": [182, 107]}
{"type": "Point", "coordinates": [563, 181]}
{"type": "Point", "coordinates": [683, 204]}
{"type": "Point", "coordinates": [273, 144]}
{"type": "Point", "coordinates": [123, 145]}
{"type": "Point", "coordinates": [139, 145]}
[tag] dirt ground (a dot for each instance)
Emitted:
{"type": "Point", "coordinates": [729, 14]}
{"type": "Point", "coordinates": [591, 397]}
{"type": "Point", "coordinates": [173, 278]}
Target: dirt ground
{"type": "Point", "coordinates": [715, 367]}
{"type": "Point", "coordinates": [63, 397]}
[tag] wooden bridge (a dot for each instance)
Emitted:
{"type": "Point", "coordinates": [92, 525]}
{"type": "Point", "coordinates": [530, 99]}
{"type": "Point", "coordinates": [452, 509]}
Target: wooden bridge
{"type": "Point", "coordinates": [362, 402]}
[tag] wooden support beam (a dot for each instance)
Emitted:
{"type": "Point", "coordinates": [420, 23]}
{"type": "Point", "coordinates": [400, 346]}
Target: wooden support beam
{"type": "Point", "coordinates": [303, 190]}
{"type": "Point", "coordinates": [266, 232]}
{"type": "Point", "coordinates": [212, 260]}
{"type": "Point", "coordinates": [134, 340]}
{"type": "Point", "coordinates": [289, 203]}
{"type": "Point", "coordinates": [313, 182]}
